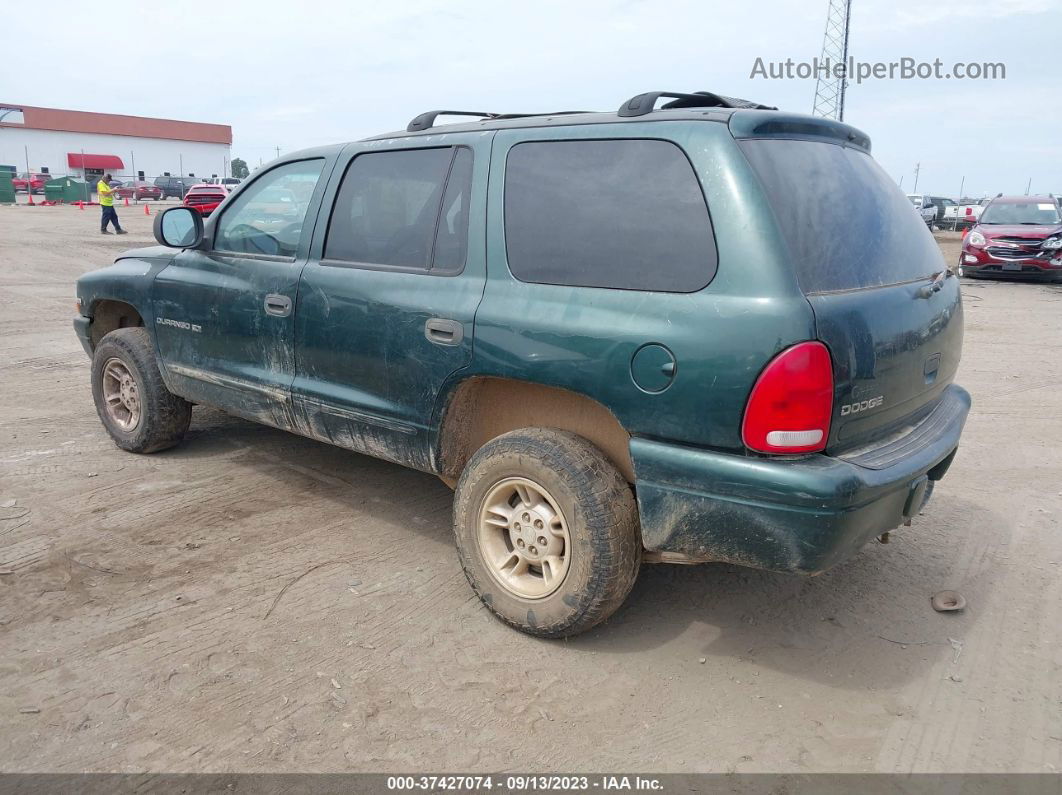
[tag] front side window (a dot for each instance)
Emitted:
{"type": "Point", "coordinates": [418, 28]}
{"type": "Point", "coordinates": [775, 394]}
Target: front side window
{"type": "Point", "coordinates": [406, 208]}
{"type": "Point", "coordinates": [622, 214]}
{"type": "Point", "coordinates": [266, 218]}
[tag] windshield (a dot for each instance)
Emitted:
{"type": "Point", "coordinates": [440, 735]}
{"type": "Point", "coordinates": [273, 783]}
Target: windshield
{"type": "Point", "coordinates": [847, 224]}
{"type": "Point", "coordinates": [916, 200]}
{"type": "Point", "coordinates": [1032, 213]}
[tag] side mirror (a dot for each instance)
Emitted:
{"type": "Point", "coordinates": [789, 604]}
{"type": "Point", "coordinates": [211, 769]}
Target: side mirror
{"type": "Point", "coordinates": [179, 227]}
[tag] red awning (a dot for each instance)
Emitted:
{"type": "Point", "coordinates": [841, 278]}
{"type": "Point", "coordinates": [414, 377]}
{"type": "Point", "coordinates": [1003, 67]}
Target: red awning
{"type": "Point", "coordinates": [74, 160]}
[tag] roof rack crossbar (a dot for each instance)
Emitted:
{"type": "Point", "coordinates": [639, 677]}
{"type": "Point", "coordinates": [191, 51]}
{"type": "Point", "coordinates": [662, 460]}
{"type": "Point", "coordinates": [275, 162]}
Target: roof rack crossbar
{"type": "Point", "coordinates": [645, 103]}
{"type": "Point", "coordinates": [427, 120]}
{"type": "Point", "coordinates": [503, 116]}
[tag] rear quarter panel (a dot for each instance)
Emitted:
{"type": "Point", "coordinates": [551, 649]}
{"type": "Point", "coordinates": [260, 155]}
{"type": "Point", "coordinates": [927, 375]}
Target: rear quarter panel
{"type": "Point", "coordinates": [583, 339]}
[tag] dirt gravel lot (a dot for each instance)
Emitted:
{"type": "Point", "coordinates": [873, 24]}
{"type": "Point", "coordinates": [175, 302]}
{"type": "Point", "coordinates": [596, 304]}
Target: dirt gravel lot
{"type": "Point", "coordinates": [257, 601]}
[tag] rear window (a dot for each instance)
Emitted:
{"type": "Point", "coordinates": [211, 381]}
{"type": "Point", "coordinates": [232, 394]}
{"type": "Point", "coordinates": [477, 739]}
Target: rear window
{"type": "Point", "coordinates": [624, 214]}
{"type": "Point", "coordinates": [845, 221]}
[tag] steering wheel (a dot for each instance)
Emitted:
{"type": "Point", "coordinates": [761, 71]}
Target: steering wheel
{"type": "Point", "coordinates": [255, 241]}
{"type": "Point", "coordinates": [289, 235]}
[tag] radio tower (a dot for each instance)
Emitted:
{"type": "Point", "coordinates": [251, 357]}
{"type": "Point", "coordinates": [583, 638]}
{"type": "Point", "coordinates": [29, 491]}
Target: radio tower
{"type": "Point", "coordinates": [829, 89]}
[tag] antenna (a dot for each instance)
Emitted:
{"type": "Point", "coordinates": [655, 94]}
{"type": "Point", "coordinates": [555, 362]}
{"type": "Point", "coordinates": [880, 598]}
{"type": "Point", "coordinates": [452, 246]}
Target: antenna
{"type": "Point", "coordinates": [829, 89]}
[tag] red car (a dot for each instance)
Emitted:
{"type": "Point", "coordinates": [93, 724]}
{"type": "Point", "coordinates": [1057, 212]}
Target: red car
{"type": "Point", "coordinates": [1015, 237]}
{"type": "Point", "coordinates": [35, 182]}
{"type": "Point", "coordinates": [205, 198]}
{"type": "Point", "coordinates": [138, 190]}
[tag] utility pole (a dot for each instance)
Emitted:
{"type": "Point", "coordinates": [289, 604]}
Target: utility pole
{"type": "Point", "coordinates": [918, 167]}
{"type": "Point", "coordinates": [1028, 187]}
{"type": "Point", "coordinates": [829, 88]}
{"type": "Point", "coordinates": [29, 177]}
{"type": "Point", "coordinates": [278, 151]}
{"type": "Point", "coordinates": [961, 186]}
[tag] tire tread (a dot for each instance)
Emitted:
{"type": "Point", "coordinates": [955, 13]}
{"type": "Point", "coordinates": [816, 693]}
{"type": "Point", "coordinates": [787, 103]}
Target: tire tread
{"type": "Point", "coordinates": [609, 509]}
{"type": "Point", "coordinates": [165, 417]}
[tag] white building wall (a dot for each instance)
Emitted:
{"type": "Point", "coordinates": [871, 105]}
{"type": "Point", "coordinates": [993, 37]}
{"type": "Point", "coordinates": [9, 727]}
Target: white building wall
{"type": "Point", "coordinates": [153, 156]}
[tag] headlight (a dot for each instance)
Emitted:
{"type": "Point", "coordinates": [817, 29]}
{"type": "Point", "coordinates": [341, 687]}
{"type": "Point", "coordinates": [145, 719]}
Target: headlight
{"type": "Point", "coordinates": [975, 239]}
{"type": "Point", "coordinates": [1053, 243]}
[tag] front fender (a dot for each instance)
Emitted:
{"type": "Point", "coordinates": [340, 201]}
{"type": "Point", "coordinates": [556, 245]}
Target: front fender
{"type": "Point", "coordinates": [128, 280]}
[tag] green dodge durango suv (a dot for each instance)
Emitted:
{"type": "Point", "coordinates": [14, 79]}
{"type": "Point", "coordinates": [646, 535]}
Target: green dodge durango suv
{"type": "Point", "coordinates": [708, 331]}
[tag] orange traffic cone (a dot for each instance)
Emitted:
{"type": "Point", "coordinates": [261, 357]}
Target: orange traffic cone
{"type": "Point", "coordinates": [80, 205]}
{"type": "Point", "coordinates": [147, 209]}
{"type": "Point", "coordinates": [126, 201]}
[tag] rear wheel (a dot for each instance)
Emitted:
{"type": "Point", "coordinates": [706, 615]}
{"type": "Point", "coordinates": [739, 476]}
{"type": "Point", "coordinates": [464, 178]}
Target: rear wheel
{"type": "Point", "coordinates": [547, 532]}
{"type": "Point", "coordinates": [139, 413]}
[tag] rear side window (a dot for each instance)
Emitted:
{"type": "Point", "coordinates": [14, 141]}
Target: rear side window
{"type": "Point", "coordinates": [845, 221]}
{"type": "Point", "coordinates": [623, 214]}
{"type": "Point", "coordinates": [403, 209]}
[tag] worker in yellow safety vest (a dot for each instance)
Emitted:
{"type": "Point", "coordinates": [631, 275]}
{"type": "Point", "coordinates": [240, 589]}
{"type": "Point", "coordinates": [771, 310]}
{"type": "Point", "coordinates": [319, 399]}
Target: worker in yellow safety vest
{"type": "Point", "coordinates": [110, 215]}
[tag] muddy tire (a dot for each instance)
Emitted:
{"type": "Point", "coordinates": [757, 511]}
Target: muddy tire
{"type": "Point", "coordinates": [139, 413]}
{"type": "Point", "coordinates": [547, 532]}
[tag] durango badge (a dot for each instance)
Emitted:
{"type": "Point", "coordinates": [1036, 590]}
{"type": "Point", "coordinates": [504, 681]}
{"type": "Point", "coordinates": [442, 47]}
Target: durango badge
{"type": "Point", "coordinates": [181, 324]}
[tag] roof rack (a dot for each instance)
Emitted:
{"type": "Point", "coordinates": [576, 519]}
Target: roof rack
{"type": "Point", "coordinates": [636, 106]}
{"type": "Point", "coordinates": [645, 103]}
{"type": "Point", "coordinates": [426, 120]}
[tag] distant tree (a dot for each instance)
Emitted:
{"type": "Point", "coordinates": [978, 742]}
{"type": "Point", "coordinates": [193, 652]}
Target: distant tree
{"type": "Point", "coordinates": [239, 168]}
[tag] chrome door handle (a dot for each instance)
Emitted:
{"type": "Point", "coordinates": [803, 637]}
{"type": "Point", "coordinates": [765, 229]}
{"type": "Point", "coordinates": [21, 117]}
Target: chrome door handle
{"type": "Point", "coordinates": [442, 331]}
{"type": "Point", "coordinates": [279, 305]}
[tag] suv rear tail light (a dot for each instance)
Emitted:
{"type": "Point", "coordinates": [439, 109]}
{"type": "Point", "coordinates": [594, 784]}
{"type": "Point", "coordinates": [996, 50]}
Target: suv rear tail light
{"type": "Point", "coordinates": [791, 404]}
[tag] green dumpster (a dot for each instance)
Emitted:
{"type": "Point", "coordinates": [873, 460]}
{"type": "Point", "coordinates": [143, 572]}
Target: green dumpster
{"type": "Point", "coordinates": [53, 191]}
{"type": "Point", "coordinates": [67, 189]}
{"type": "Point", "coordinates": [7, 187]}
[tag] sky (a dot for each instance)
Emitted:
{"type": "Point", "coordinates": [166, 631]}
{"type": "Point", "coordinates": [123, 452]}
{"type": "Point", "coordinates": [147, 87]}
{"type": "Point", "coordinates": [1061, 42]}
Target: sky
{"type": "Point", "coordinates": [293, 75]}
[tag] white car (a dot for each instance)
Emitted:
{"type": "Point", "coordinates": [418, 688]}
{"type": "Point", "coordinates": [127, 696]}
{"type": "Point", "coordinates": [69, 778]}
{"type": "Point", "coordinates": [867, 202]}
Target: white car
{"type": "Point", "coordinates": [228, 182]}
{"type": "Point", "coordinates": [924, 205]}
{"type": "Point", "coordinates": [969, 212]}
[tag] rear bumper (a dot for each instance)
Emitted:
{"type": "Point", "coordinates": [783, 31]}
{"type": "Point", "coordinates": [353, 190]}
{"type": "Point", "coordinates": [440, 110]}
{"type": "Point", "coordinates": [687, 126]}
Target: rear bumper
{"type": "Point", "coordinates": [802, 515]}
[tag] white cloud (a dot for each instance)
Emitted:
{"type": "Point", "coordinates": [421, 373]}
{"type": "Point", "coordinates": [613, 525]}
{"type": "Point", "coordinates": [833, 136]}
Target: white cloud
{"type": "Point", "coordinates": [890, 16]}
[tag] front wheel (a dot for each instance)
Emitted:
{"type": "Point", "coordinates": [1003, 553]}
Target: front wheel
{"type": "Point", "coordinates": [547, 532]}
{"type": "Point", "coordinates": [139, 413]}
